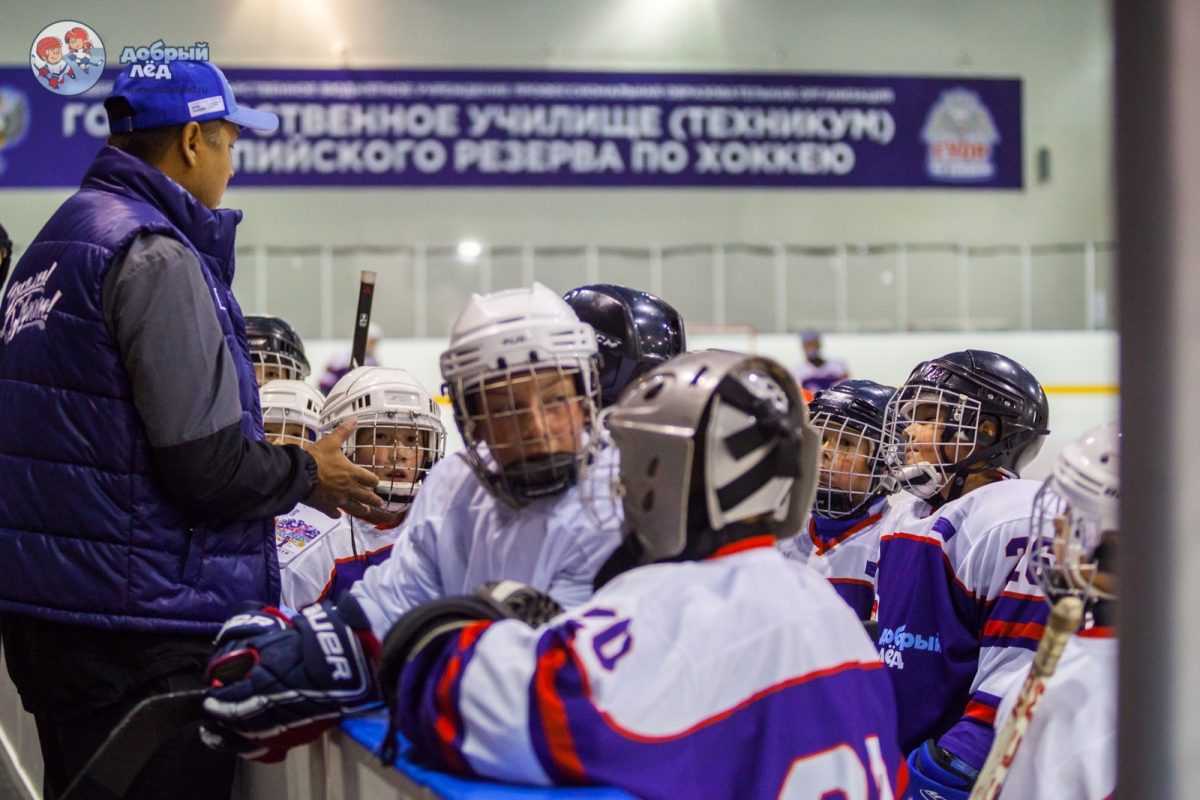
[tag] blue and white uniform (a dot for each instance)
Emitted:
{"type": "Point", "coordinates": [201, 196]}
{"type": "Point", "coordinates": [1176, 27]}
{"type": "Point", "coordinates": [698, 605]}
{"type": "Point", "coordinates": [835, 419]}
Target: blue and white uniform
{"type": "Point", "coordinates": [320, 558]}
{"type": "Point", "coordinates": [816, 378]}
{"type": "Point", "coordinates": [741, 676]}
{"type": "Point", "coordinates": [1070, 749]}
{"type": "Point", "coordinates": [845, 551]}
{"type": "Point", "coordinates": [458, 536]}
{"type": "Point", "coordinates": [959, 614]}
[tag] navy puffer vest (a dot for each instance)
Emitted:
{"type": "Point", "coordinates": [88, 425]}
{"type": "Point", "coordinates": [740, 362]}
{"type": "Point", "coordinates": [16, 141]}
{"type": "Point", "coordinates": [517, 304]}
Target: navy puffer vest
{"type": "Point", "coordinates": [86, 534]}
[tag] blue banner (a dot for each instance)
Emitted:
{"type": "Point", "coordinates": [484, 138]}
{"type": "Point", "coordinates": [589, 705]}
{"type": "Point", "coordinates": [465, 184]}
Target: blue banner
{"type": "Point", "coordinates": [470, 128]}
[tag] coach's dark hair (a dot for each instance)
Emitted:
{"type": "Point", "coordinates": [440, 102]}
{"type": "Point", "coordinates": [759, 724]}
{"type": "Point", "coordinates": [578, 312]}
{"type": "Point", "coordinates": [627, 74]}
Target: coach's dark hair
{"type": "Point", "coordinates": [152, 144]}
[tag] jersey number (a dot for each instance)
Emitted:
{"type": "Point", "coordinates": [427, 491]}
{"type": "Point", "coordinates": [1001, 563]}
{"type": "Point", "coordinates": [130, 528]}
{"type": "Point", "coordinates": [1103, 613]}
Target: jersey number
{"type": "Point", "coordinates": [837, 774]}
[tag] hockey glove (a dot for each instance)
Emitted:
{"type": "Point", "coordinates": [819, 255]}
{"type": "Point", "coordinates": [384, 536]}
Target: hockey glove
{"type": "Point", "coordinates": [522, 602]}
{"type": "Point", "coordinates": [934, 772]}
{"type": "Point", "coordinates": [277, 683]}
{"type": "Point", "coordinates": [426, 626]}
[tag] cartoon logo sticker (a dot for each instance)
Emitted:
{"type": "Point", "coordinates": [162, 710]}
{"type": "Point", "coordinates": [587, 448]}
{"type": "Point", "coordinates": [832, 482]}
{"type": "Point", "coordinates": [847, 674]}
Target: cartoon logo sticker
{"type": "Point", "coordinates": [67, 58]}
{"type": "Point", "coordinates": [961, 137]}
{"type": "Point", "coordinates": [14, 119]}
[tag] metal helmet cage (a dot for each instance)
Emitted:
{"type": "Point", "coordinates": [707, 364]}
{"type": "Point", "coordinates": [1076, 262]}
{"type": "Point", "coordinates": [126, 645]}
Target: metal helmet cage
{"type": "Point", "coordinates": [635, 332]}
{"type": "Point", "coordinates": [521, 375]}
{"type": "Point", "coordinates": [932, 429]}
{"type": "Point", "coordinates": [400, 435]}
{"type": "Point", "coordinates": [849, 418]}
{"type": "Point", "coordinates": [291, 411]}
{"type": "Point", "coordinates": [744, 418]}
{"type": "Point", "coordinates": [1075, 518]}
{"type": "Point", "coordinates": [276, 350]}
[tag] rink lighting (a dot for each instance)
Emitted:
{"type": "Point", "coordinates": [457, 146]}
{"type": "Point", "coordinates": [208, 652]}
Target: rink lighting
{"type": "Point", "coordinates": [469, 250]}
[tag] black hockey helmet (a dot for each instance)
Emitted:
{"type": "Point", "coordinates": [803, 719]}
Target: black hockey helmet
{"type": "Point", "coordinates": [635, 331]}
{"type": "Point", "coordinates": [969, 387]}
{"type": "Point", "coordinates": [275, 348]}
{"type": "Point", "coordinates": [850, 418]}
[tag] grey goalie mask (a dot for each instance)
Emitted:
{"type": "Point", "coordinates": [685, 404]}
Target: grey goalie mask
{"type": "Point", "coordinates": [714, 446]}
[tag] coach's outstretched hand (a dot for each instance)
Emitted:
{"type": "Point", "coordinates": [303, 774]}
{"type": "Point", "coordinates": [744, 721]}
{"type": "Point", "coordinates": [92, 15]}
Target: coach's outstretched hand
{"type": "Point", "coordinates": [341, 485]}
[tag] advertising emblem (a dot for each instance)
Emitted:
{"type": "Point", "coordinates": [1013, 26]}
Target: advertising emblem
{"type": "Point", "coordinates": [67, 58]}
{"type": "Point", "coordinates": [961, 137]}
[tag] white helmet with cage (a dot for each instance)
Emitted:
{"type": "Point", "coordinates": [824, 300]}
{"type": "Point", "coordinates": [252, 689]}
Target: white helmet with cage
{"type": "Point", "coordinates": [521, 374]}
{"type": "Point", "coordinates": [1076, 517]}
{"type": "Point", "coordinates": [291, 412]}
{"type": "Point", "coordinates": [400, 435]}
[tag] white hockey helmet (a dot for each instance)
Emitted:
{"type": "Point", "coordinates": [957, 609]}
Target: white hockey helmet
{"type": "Point", "coordinates": [1076, 517]}
{"type": "Point", "coordinates": [291, 411]}
{"type": "Point", "coordinates": [520, 341]}
{"type": "Point", "coordinates": [742, 417]}
{"type": "Point", "coordinates": [400, 435]}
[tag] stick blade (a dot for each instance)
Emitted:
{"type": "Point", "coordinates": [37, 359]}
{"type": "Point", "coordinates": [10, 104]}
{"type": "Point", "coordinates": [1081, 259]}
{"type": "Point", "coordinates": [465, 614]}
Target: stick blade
{"type": "Point", "coordinates": [116, 764]}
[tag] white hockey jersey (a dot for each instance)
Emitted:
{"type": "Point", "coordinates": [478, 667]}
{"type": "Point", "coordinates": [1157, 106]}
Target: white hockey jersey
{"type": "Point", "coordinates": [818, 378]}
{"type": "Point", "coordinates": [959, 613]}
{"type": "Point", "coordinates": [457, 536]}
{"type": "Point", "coordinates": [1070, 749]}
{"type": "Point", "coordinates": [320, 557]}
{"type": "Point", "coordinates": [846, 552]}
{"type": "Point", "coordinates": [741, 676]}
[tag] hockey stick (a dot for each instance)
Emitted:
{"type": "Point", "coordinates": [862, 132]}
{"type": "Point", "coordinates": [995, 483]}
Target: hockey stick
{"type": "Point", "coordinates": [121, 758]}
{"type": "Point", "coordinates": [362, 319]}
{"type": "Point", "coordinates": [1064, 621]}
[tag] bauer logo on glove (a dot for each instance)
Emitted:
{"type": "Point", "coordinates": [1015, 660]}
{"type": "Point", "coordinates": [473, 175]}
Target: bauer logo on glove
{"type": "Point", "coordinates": [279, 682]}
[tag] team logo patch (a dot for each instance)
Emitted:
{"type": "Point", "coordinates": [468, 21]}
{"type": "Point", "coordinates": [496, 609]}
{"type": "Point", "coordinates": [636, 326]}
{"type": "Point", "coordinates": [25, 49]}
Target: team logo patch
{"type": "Point", "coordinates": [961, 137]}
{"type": "Point", "coordinates": [292, 535]}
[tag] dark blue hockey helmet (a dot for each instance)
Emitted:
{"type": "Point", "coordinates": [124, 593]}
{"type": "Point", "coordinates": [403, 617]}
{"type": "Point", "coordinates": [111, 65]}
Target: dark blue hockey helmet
{"type": "Point", "coordinates": [635, 332]}
{"type": "Point", "coordinates": [850, 417]}
{"type": "Point", "coordinates": [979, 410]}
{"type": "Point", "coordinates": [275, 348]}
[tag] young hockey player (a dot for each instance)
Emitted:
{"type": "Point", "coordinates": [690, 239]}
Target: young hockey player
{"type": "Point", "coordinates": [959, 615]}
{"type": "Point", "coordinates": [1070, 749]}
{"type": "Point", "coordinates": [842, 539]}
{"type": "Point", "coordinates": [635, 332]}
{"type": "Point", "coordinates": [291, 412]}
{"type": "Point", "coordinates": [399, 437]}
{"type": "Point", "coordinates": [719, 669]}
{"type": "Point", "coordinates": [276, 349]}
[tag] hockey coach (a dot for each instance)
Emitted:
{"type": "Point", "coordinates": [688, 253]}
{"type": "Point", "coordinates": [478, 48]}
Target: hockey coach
{"type": "Point", "coordinates": [137, 495]}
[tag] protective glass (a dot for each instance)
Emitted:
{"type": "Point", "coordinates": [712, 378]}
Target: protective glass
{"type": "Point", "coordinates": [400, 447]}
{"type": "Point", "coordinates": [527, 428]}
{"type": "Point", "coordinates": [271, 365]}
{"type": "Point", "coordinates": [851, 469]}
{"type": "Point", "coordinates": [926, 431]}
{"type": "Point", "coordinates": [1063, 545]}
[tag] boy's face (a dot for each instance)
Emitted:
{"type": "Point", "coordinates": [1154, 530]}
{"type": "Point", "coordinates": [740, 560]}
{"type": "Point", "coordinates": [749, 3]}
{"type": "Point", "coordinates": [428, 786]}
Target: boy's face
{"type": "Point", "coordinates": [279, 432]}
{"type": "Point", "coordinates": [75, 44]}
{"type": "Point", "coordinates": [846, 461]}
{"type": "Point", "coordinates": [392, 453]}
{"type": "Point", "coordinates": [267, 372]}
{"type": "Point", "coordinates": [928, 428]}
{"type": "Point", "coordinates": [54, 56]}
{"type": "Point", "coordinates": [532, 416]}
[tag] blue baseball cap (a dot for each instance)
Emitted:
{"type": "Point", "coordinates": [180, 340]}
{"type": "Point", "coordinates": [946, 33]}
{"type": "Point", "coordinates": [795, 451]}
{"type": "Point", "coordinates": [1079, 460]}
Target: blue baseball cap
{"type": "Point", "coordinates": [196, 92]}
